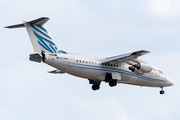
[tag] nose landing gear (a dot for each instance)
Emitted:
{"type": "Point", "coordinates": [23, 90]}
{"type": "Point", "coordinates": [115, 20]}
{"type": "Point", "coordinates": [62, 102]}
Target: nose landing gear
{"type": "Point", "coordinates": [162, 91]}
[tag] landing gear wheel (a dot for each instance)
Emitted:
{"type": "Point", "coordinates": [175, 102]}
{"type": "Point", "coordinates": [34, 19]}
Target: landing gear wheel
{"type": "Point", "coordinates": [162, 92]}
{"type": "Point", "coordinates": [95, 86]}
{"type": "Point", "coordinates": [113, 83]}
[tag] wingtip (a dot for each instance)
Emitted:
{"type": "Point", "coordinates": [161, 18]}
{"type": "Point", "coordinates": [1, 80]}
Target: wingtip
{"type": "Point", "coordinates": [147, 51]}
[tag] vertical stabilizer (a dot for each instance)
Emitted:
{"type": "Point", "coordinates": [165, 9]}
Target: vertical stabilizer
{"type": "Point", "coordinates": [39, 36]}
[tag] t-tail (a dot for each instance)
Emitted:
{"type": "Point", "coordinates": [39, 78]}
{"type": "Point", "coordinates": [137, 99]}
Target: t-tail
{"type": "Point", "coordinates": [39, 36]}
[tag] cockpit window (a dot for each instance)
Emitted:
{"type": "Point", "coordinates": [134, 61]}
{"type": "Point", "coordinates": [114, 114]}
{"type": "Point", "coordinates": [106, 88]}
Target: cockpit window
{"type": "Point", "coordinates": [160, 72]}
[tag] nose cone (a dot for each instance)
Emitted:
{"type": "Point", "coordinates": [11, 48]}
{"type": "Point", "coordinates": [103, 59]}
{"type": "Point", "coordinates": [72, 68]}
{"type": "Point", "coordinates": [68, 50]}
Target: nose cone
{"type": "Point", "coordinates": [170, 83]}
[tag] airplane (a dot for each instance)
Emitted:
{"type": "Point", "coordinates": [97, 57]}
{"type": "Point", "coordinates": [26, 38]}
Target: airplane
{"type": "Point", "coordinates": [125, 68]}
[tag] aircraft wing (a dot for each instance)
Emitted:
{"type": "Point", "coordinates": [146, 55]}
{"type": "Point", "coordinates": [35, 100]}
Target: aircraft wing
{"type": "Point", "coordinates": [125, 57]}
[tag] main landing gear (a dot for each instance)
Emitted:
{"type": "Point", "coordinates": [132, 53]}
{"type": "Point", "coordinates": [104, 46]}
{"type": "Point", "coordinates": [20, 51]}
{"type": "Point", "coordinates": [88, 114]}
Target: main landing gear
{"type": "Point", "coordinates": [112, 83]}
{"type": "Point", "coordinates": [162, 91]}
{"type": "Point", "coordinates": [96, 86]}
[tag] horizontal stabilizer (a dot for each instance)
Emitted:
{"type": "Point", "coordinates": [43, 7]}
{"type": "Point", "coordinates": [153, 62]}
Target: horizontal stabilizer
{"type": "Point", "coordinates": [15, 26]}
{"type": "Point", "coordinates": [29, 22]}
{"type": "Point", "coordinates": [56, 72]}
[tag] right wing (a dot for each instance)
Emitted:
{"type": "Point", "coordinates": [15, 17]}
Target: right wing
{"type": "Point", "coordinates": [125, 57]}
{"type": "Point", "coordinates": [137, 66]}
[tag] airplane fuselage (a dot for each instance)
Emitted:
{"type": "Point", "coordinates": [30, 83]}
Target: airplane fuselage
{"type": "Point", "coordinates": [91, 68]}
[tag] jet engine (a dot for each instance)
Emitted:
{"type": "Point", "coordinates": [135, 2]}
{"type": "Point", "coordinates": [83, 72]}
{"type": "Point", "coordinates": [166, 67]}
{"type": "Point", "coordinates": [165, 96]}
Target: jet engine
{"type": "Point", "coordinates": [144, 67]}
{"type": "Point", "coordinates": [133, 69]}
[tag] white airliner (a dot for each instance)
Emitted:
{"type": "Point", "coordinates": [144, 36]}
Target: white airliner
{"type": "Point", "coordinates": [125, 68]}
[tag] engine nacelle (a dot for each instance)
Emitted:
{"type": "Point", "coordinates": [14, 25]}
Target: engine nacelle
{"type": "Point", "coordinates": [133, 69]}
{"type": "Point", "coordinates": [144, 67]}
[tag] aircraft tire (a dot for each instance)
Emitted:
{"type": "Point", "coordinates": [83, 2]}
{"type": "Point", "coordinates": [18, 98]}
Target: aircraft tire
{"type": "Point", "coordinates": [95, 86]}
{"type": "Point", "coordinates": [162, 92]}
{"type": "Point", "coordinates": [113, 83]}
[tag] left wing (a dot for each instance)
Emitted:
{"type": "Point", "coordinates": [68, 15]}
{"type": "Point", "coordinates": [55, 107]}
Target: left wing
{"type": "Point", "coordinates": [125, 57]}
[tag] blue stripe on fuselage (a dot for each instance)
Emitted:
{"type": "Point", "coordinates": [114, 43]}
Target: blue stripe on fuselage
{"type": "Point", "coordinates": [108, 69]}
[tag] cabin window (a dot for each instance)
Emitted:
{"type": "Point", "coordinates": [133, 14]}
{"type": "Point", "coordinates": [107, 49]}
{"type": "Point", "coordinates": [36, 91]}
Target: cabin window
{"type": "Point", "coordinates": [80, 61]}
{"type": "Point", "coordinates": [76, 60]}
{"type": "Point", "coordinates": [86, 61]}
{"type": "Point", "coordinates": [83, 61]}
{"type": "Point", "coordinates": [89, 62]}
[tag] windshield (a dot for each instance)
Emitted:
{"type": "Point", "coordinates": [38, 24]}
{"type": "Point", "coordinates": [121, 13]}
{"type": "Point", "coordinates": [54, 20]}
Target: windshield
{"type": "Point", "coordinates": [160, 72]}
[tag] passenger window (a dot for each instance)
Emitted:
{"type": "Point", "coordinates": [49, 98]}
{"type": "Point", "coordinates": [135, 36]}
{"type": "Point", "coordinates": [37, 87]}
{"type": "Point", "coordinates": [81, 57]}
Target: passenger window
{"type": "Point", "coordinates": [76, 60]}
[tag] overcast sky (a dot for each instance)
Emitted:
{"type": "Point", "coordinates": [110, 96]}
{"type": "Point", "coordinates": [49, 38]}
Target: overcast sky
{"type": "Point", "coordinates": [100, 28]}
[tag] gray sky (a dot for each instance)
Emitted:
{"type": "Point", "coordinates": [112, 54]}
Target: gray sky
{"type": "Point", "coordinates": [100, 28]}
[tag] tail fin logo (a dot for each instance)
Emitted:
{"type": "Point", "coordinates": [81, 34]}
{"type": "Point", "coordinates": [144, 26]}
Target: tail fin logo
{"type": "Point", "coordinates": [44, 40]}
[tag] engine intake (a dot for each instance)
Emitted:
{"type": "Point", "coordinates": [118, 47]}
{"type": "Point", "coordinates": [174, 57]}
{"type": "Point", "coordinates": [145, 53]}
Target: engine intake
{"type": "Point", "coordinates": [133, 69]}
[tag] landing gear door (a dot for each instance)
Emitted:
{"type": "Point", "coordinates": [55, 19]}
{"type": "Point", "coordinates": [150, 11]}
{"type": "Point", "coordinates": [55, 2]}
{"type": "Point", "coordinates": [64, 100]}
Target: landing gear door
{"type": "Point", "coordinates": [116, 75]}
